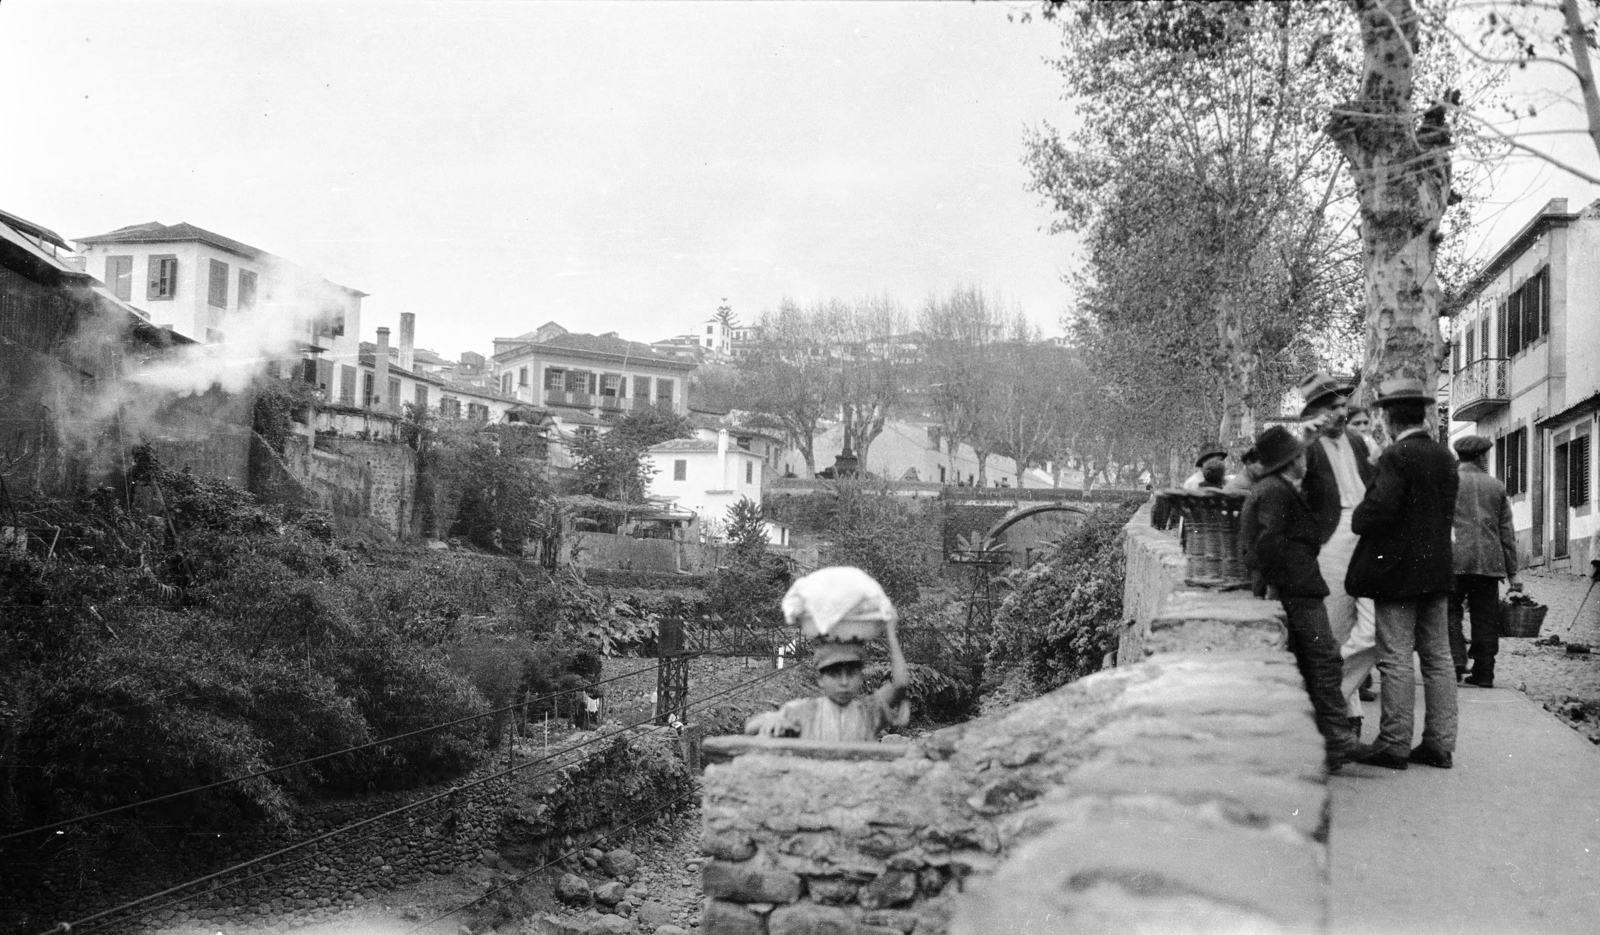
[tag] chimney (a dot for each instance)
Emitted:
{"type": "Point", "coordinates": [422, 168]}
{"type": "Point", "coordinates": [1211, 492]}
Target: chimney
{"type": "Point", "coordinates": [380, 376]}
{"type": "Point", "coordinates": [408, 341]}
{"type": "Point", "coordinates": [722, 459]}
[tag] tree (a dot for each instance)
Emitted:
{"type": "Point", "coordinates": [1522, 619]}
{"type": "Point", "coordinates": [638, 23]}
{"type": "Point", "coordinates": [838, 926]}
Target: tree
{"type": "Point", "coordinates": [749, 589]}
{"type": "Point", "coordinates": [873, 367]}
{"type": "Point", "coordinates": [790, 380]}
{"type": "Point", "coordinates": [1032, 397]}
{"type": "Point", "coordinates": [611, 466]}
{"type": "Point", "coordinates": [957, 332]}
{"type": "Point", "coordinates": [1200, 171]}
{"type": "Point", "coordinates": [1400, 163]}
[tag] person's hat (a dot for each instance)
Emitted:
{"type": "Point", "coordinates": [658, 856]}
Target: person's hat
{"type": "Point", "coordinates": [1470, 446]}
{"type": "Point", "coordinates": [827, 653]}
{"type": "Point", "coordinates": [1318, 387]}
{"type": "Point", "coordinates": [1402, 390]}
{"type": "Point", "coordinates": [1250, 456]}
{"type": "Point", "coordinates": [1211, 450]}
{"type": "Point", "coordinates": [1276, 447]}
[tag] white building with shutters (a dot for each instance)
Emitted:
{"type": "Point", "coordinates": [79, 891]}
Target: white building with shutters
{"type": "Point", "coordinates": [1525, 371]}
{"type": "Point", "coordinates": [707, 477]}
{"type": "Point", "coordinates": [217, 290]}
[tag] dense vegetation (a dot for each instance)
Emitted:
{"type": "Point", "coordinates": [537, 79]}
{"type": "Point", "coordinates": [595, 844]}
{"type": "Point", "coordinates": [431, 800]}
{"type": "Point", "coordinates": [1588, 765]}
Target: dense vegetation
{"type": "Point", "coordinates": [180, 632]}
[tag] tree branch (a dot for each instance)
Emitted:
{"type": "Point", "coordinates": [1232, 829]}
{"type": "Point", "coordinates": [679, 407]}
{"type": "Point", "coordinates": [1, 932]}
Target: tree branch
{"type": "Point", "coordinates": [1578, 35]}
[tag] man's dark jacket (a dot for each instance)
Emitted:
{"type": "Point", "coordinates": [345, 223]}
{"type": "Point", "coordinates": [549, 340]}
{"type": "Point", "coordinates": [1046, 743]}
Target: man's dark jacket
{"type": "Point", "coordinates": [1405, 522]}
{"type": "Point", "coordinates": [1281, 538]}
{"type": "Point", "coordinates": [1322, 487]}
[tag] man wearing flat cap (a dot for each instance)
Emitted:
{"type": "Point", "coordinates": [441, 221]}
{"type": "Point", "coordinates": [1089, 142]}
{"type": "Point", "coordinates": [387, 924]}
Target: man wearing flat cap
{"type": "Point", "coordinates": [1280, 537]}
{"type": "Point", "coordinates": [1485, 551]}
{"type": "Point", "coordinates": [1404, 563]}
{"type": "Point", "coordinates": [1339, 469]}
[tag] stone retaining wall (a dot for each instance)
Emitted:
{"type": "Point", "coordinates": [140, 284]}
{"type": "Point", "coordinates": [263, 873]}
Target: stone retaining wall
{"type": "Point", "coordinates": [1184, 788]}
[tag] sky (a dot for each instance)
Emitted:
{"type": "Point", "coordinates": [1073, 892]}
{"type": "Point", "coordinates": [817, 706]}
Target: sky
{"type": "Point", "coordinates": [611, 166]}
{"type": "Point", "coordinates": [492, 166]}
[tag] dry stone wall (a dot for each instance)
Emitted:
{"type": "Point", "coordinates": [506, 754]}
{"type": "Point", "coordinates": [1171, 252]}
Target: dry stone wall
{"type": "Point", "coordinates": [1187, 785]}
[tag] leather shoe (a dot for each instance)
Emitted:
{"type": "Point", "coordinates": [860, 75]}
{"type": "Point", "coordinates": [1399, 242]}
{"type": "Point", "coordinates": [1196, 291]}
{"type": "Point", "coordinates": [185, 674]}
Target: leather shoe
{"type": "Point", "coordinates": [1351, 754]}
{"type": "Point", "coordinates": [1479, 681]}
{"type": "Point", "coordinates": [1428, 756]}
{"type": "Point", "coordinates": [1385, 759]}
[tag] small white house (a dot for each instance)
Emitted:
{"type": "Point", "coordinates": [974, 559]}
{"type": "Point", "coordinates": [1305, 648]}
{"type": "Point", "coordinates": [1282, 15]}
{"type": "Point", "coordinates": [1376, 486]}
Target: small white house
{"type": "Point", "coordinates": [705, 476]}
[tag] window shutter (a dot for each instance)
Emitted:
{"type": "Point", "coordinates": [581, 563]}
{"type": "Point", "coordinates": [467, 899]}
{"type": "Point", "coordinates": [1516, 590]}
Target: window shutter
{"type": "Point", "coordinates": [1471, 336]}
{"type": "Point", "coordinates": [247, 289]}
{"type": "Point", "coordinates": [1500, 460]}
{"type": "Point", "coordinates": [153, 289]}
{"type": "Point", "coordinates": [1455, 366]}
{"type": "Point", "coordinates": [1514, 322]}
{"type": "Point", "coordinates": [1505, 339]}
{"type": "Point", "coordinates": [1544, 300]}
{"type": "Point", "coordinates": [1578, 471]}
{"type": "Point", "coordinates": [217, 284]}
{"type": "Point", "coordinates": [1483, 337]}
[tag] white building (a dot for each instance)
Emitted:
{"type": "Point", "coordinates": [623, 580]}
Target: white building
{"type": "Point", "coordinates": [707, 477]}
{"type": "Point", "coordinates": [1525, 365]}
{"type": "Point", "coordinates": [214, 290]}
{"type": "Point", "coordinates": [597, 374]}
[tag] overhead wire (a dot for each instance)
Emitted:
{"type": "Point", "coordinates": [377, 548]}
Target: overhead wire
{"type": "Point", "coordinates": [309, 760]}
{"type": "Point", "coordinates": [67, 927]}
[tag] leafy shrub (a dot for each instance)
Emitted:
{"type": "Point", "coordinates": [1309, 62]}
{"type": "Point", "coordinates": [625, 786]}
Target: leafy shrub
{"type": "Point", "coordinates": [1063, 614]}
{"type": "Point", "coordinates": [887, 537]}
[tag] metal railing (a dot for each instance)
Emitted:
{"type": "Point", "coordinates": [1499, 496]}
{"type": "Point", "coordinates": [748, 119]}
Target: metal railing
{"type": "Point", "coordinates": [1479, 386]}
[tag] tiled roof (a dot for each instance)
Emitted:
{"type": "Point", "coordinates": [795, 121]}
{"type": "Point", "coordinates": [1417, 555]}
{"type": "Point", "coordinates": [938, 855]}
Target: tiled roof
{"type": "Point", "coordinates": [184, 232]}
{"type": "Point", "coordinates": [599, 344]}
{"type": "Point", "coordinates": [684, 444]}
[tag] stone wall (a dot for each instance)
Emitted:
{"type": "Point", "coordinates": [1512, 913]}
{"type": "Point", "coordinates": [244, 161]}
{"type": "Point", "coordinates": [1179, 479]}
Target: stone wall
{"type": "Point", "coordinates": [1187, 784]}
{"type": "Point", "coordinates": [606, 550]}
{"type": "Point", "coordinates": [363, 483]}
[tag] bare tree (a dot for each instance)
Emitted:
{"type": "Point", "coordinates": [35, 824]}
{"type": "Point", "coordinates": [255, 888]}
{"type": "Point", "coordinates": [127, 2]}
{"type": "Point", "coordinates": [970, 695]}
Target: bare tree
{"type": "Point", "coordinates": [958, 332]}
{"type": "Point", "coordinates": [791, 378]}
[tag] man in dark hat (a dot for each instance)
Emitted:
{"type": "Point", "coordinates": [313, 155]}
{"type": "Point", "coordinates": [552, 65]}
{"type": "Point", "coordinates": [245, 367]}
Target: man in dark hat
{"type": "Point", "coordinates": [1281, 537]}
{"type": "Point", "coordinates": [1404, 563]}
{"type": "Point", "coordinates": [1338, 472]}
{"type": "Point", "coordinates": [1212, 467]}
{"type": "Point", "coordinates": [1485, 551]}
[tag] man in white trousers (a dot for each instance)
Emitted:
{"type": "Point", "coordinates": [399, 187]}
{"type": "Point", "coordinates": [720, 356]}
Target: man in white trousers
{"type": "Point", "coordinates": [1338, 471]}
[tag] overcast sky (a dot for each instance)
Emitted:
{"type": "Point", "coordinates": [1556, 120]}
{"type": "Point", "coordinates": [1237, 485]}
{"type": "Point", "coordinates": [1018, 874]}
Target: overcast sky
{"type": "Point", "coordinates": [611, 166]}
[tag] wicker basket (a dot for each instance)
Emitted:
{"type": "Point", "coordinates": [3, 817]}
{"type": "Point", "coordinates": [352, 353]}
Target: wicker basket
{"type": "Point", "coordinates": [1521, 620]}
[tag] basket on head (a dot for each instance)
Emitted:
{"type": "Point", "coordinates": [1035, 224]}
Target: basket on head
{"type": "Point", "coordinates": [840, 603]}
{"type": "Point", "coordinates": [1519, 619]}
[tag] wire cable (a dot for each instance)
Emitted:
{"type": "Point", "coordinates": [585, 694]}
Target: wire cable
{"type": "Point", "coordinates": [287, 766]}
{"type": "Point", "coordinates": [65, 927]}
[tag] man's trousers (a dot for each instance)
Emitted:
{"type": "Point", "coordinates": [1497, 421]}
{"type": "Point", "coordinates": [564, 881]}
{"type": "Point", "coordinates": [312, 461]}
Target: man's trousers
{"type": "Point", "coordinates": [1317, 655]}
{"type": "Point", "coordinates": [1406, 626]}
{"type": "Point", "coordinates": [1481, 595]}
{"type": "Point", "coordinates": [1351, 619]}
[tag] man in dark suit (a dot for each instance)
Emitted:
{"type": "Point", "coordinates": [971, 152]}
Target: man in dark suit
{"type": "Point", "coordinates": [1281, 536]}
{"type": "Point", "coordinates": [1338, 472]}
{"type": "Point", "coordinates": [1403, 562]}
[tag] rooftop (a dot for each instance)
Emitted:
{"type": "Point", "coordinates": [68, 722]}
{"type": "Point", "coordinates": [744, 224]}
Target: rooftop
{"type": "Point", "coordinates": [684, 444]}
{"type": "Point", "coordinates": [603, 344]}
{"type": "Point", "coordinates": [184, 232]}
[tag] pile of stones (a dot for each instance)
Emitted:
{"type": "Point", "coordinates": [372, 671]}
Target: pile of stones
{"type": "Point", "coordinates": [611, 893]}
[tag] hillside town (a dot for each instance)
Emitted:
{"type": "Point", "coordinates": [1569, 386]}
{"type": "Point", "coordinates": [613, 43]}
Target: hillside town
{"type": "Point", "coordinates": [1053, 468]}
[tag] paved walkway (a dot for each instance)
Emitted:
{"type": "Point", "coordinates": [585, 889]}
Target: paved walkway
{"type": "Point", "coordinates": [1507, 842]}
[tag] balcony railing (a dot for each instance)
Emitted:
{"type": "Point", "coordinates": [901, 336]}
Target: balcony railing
{"type": "Point", "coordinates": [1478, 389]}
{"type": "Point", "coordinates": [556, 397]}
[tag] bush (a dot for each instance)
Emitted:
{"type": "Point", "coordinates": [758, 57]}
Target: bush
{"type": "Point", "coordinates": [1063, 614]}
{"type": "Point", "coordinates": [887, 537]}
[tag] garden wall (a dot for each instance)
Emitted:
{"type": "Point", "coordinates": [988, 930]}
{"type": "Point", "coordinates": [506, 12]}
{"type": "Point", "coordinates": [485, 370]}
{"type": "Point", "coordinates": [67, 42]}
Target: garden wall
{"type": "Point", "coordinates": [1187, 783]}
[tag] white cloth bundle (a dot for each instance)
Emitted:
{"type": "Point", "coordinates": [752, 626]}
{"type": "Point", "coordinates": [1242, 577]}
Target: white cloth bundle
{"type": "Point", "coordinates": [820, 601]}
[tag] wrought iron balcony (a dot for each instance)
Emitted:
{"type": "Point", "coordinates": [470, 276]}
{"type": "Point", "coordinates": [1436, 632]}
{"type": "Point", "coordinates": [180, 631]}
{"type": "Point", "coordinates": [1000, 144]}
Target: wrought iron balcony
{"type": "Point", "coordinates": [1478, 389]}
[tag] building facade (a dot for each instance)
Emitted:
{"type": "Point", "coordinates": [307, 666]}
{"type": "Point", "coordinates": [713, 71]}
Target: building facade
{"type": "Point", "coordinates": [1525, 371]}
{"type": "Point", "coordinates": [213, 289]}
{"type": "Point", "coordinates": [704, 476]}
{"type": "Point", "coordinates": [596, 374]}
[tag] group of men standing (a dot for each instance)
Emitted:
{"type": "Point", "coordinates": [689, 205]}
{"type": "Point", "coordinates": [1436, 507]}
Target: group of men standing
{"type": "Point", "coordinates": [1358, 547]}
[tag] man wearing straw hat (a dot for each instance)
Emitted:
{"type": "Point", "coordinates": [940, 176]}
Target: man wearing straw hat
{"type": "Point", "coordinates": [1404, 562]}
{"type": "Point", "coordinates": [1338, 472]}
{"type": "Point", "coordinates": [1281, 536]}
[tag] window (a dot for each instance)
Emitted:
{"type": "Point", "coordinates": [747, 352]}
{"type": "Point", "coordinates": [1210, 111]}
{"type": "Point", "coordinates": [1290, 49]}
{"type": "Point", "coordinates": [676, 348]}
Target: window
{"type": "Point", "coordinates": [749, 472]}
{"type": "Point", "coordinates": [1525, 315]}
{"type": "Point", "coordinates": [392, 401]}
{"type": "Point", "coordinates": [1471, 335]}
{"type": "Point", "coordinates": [325, 375]}
{"type": "Point", "coordinates": [1455, 367]}
{"type": "Point", "coordinates": [478, 412]}
{"type": "Point", "coordinates": [247, 289]}
{"type": "Point", "coordinates": [522, 376]}
{"type": "Point", "coordinates": [505, 383]}
{"type": "Point", "coordinates": [347, 385]}
{"type": "Point", "coordinates": [163, 278]}
{"type": "Point", "coordinates": [422, 397]}
{"type": "Point", "coordinates": [709, 329]}
{"type": "Point", "coordinates": [680, 469]}
{"type": "Point", "coordinates": [578, 381]}
{"type": "Point", "coordinates": [555, 378]}
{"type": "Point", "coordinates": [610, 384]}
{"type": "Point", "coordinates": [1483, 336]}
{"type": "Point", "coordinates": [308, 371]}
{"type": "Point", "coordinates": [367, 382]}
{"type": "Point", "coordinates": [450, 407]}
{"type": "Point", "coordinates": [119, 276]}
{"type": "Point", "coordinates": [1578, 471]}
{"type": "Point", "coordinates": [641, 388]}
{"type": "Point", "coordinates": [664, 390]}
{"type": "Point", "coordinates": [1511, 461]}
{"type": "Point", "coordinates": [217, 284]}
